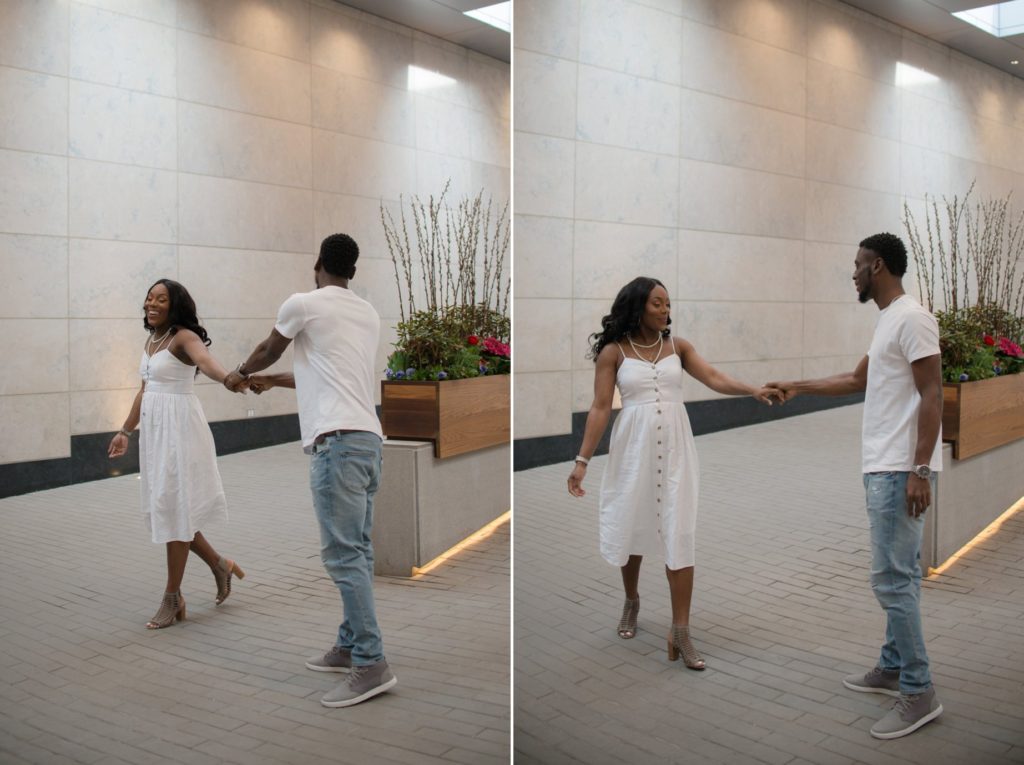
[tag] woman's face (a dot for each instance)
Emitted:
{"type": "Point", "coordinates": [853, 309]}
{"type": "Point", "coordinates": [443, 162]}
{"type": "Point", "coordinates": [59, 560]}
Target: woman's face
{"type": "Point", "coordinates": [157, 306]}
{"type": "Point", "coordinates": [657, 310]}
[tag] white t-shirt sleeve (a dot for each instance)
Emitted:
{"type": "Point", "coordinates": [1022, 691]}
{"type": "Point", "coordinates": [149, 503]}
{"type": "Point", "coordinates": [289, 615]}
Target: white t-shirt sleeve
{"type": "Point", "coordinates": [919, 336]}
{"type": "Point", "coordinates": [291, 317]}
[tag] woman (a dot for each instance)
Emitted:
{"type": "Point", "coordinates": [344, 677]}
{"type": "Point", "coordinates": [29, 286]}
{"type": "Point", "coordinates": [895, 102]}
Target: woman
{"type": "Point", "coordinates": [181, 488]}
{"type": "Point", "coordinates": [649, 491]}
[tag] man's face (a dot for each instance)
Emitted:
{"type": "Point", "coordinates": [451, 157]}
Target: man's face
{"type": "Point", "coordinates": [864, 269]}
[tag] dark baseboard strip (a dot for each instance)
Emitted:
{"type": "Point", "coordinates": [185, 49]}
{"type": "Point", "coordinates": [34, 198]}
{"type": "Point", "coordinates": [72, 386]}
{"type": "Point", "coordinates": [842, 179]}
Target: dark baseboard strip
{"type": "Point", "coordinates": [705, 417]}
{"type": "Point", "coordinates": [89, 462]}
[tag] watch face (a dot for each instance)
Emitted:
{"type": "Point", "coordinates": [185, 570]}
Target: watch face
{"type": "Point", "coordinates": [923, 471]}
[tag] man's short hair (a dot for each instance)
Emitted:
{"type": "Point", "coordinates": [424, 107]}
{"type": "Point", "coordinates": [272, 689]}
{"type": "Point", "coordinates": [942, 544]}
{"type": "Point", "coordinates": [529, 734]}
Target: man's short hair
{"type": "Point", "coordinates": [338, 255]}
{"type": "Point", "coordinates": [890, 249]}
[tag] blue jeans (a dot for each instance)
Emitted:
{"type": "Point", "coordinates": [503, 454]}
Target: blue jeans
{"type": "Point", "coordinates": [896, 577]}
{"type": "Point", "coordinates": [344, 475]}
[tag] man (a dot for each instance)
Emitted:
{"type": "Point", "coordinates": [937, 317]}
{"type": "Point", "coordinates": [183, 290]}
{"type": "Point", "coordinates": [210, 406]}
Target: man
{"type": "Point", "coordinates": [336, 334]}
{"type": "Point", "coordinates": [902, 380]}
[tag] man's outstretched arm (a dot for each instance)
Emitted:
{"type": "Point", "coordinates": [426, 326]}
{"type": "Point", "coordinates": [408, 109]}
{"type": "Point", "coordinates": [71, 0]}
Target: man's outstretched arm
{"type": "Point", "coordinates": [837, 385]}
{"type": "Point", "coordinates": [264, 355]}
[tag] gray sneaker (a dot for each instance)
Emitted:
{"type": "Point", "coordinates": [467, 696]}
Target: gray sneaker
{"type": "Point", "coordinates": [908, 714]}
{"type": "Point", "coordinates": [363, 682]}
{"type": "Point", "coordinates": [338, 659]}
{"type": "Point", "coordinates": [878, 680]}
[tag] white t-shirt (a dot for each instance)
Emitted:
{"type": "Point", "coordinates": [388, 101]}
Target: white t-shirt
{"type": "Point", "coordinates": [335, 333]}
{"type": "Point", "coordinates": [905, 332]}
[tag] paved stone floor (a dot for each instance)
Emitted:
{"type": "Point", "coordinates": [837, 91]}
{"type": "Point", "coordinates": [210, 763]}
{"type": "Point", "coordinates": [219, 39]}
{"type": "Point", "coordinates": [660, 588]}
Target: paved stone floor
{"type": "Point", "coordinates": [782, 610]}
{"type": "Point", "coordinates": [82, 681]}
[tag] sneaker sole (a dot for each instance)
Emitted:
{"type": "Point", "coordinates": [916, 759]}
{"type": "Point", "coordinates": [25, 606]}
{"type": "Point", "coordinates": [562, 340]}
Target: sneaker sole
{"type": "Point", "coordinates": [907, 731]}
{"type": "Point", "coordinates": [321, 668]}
{"type": "Point", "coordinates": [866, 689]}
{"type": "Point", "coordinates": [368, 695]}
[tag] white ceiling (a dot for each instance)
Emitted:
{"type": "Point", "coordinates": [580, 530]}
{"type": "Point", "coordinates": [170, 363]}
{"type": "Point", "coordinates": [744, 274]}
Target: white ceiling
{"type": "Point", "coordinates": [444, 19]}
{"type": "Point", "coordinates": [934, 19]}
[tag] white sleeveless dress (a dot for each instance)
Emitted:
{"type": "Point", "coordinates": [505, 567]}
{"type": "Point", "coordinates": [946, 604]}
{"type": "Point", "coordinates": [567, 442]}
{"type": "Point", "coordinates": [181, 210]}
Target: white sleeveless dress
{"type": "Point", "coordinates": [181, 488]}
{"type": "Point", "coordinates": [649, 490]}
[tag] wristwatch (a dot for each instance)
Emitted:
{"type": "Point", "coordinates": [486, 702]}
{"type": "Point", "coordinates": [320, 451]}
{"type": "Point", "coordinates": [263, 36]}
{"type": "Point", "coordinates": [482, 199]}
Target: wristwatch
{"type": "Point", "coordinates": [922, 471]}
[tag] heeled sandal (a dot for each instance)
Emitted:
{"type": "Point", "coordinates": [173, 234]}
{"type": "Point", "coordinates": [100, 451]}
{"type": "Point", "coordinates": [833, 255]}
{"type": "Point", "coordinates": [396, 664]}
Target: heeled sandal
{"type": "Point", "coordinates": [172, 608]}
{"type": "Point", "coordinates": [679, 643]}
{"type": "Point", "coordinates": [627, 624]}
{"type": "Point", "coordinates": [222, 574]}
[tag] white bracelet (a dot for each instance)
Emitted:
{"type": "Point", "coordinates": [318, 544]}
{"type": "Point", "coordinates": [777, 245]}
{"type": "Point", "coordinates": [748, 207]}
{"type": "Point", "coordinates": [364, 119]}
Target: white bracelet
{"type": "Point", "coordinates": [584, 460]}
{"type": "Point", "coordinates": [125, 433]}
{"type": "Point", "coordinates": [238, 369]}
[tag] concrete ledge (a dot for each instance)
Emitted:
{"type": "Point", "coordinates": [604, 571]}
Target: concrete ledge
{"type": "Point", "coordinates": [970, 494]}
{"type": "Point", "coordinates": [426, 505]}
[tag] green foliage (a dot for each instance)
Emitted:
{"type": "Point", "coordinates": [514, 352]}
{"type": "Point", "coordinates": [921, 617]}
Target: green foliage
{"type": "Point", "coordinates": [434, 346]}
{"type": "Point", "coordinates": [962, 340]}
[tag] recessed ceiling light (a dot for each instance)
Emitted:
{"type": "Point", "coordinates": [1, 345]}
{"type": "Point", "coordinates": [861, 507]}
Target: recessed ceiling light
{"type": "Point", "coordinates": [498, 15]}
{"type": "Point", "coordinates": [1001, 19]}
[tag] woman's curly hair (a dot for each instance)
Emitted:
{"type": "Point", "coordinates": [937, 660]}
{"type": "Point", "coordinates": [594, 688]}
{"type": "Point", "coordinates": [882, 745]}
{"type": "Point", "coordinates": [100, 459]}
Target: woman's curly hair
{"type": "Point", "coordinates": [626, 314]}
{"type": "Point", "coordinates": [182, 310]}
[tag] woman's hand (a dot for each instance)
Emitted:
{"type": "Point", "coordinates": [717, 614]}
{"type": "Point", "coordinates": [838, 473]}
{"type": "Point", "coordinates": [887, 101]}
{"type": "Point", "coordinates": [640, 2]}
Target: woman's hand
{"type": "Point", "coordinates": [576, 480]}
{"type": "Point", "coordinates": [769, 395]}
{"type": "Point", "coordinates": [118, 446]}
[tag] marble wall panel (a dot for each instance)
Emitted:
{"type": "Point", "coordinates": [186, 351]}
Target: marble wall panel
{"type": "Point", "coordinates": [33, 111]}
{"type": "Point", "coordinates": [159, 11]}
{"type": "Point", "coordinates": [583, 390]}
{"type": "Point", "coordinates": [733, 331]}
{"type": "Point", "coordinates": [217, 73]}
{"type": "Point", "coordinates": [112, 49]}
{"type": "Point", "coordinates": [923, 171]}
{"type": "Point", "coordinates": [34, 193]}
{"type": "Point", "coordinates": [434, 57]}
{"type": "Point", "coordinates": [42, 421]}
{"type": "Point", "coordinates": [122, 126]}
{"type": "Point", "coordinates": [646, 115]}
{"type": "Point", "coordinates": [273, 26]}
{"type": "Point", "coordinates": [348, 165]}
{"type": "Point", "coordinates": [375, 283]}
{"type": "Point", "coordinates": [828, 272]}
{"type": "Point", "coordinates": [625, 186]}
{"type": "Point", "coordinates": [359, 217]}
{"type": "Point", "coordinates": [443, 128]}
{"type": "Point", "coordinates": [220, 212]}
{"type": "Point", "coordinates": [542, 404]}
{"type": "Point", "coordinates": [728, 132]}
{"type": "Point", "coordinates": [989, 181]}
{"type": "Point", "coordinates": [851, 158]}
{"type": "Point", "coordinates": [924, 68]}
{"type": "Point", "coordinates": [586, 319]}
{"type": "Point", "coordinates": [489, 86]}
{"type": "Point", "coordinates": [856, 42]}
{"type": "Point", "coordinates": [631, 38]}
{"type": "Point", "coordinates": [36, 357]}
{"type": "Point", "coordinates": [781, 23]}
{"type": "Point", "coordinates": [435, 171]}
{"type": "Point", "coordinates": [731, 267]}
{"type": "Point", "coordinates": [384, 113]}
{"type": "Point", "coordinates": [606, 256]}
{"type": "Point", "coordinates": [357, 47]}
{"type": "Point", "coordinates": [105, 353]}
{"type": "Point", "coordinates": [100, 411]}
{"type": "Point", "coordinates": [233, 145]}
{"type": "Point", "coordinates": [34, 35]}
{"type": "Point", "coordinates": [109, 280]}
{"type": "Point", "coordinates": [543, 257]}
{"type": "Point", "coordinates": [846, 215]}
{"type": "Point", "coordinates": [838, 329]}
{"type": "Point", "coordinates": [243, 284]}
{"type": "Point", "coordinates": [122, 202]}
{"type": "Point", "coordinates": [980, 89]}
{"type": "Point", "coordinates": [33, 277]}
{"type": "Point", "coordinates": [545, 94]}
{"type": "Point", "coordinates": [543, 325]}
{"type": "Point", "coordinates": [724, 64]}
{"type": "Point", "coordinates": [544, 166]}
{"type": "Point", "coordinates": [728, 199]}
{"type": "Point", "coordinates": [495, 180]}
{"type": "Point", "coordinates": [848, 99]}
{"type": "Point", "coordinates": [826, 366]}
{"type": "Point", "coordinates": [551, 27]}
{"type": "Point", "coordinates": [489, 139]}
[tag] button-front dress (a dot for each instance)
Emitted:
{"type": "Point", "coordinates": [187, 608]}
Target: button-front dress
{"type": "Point", "coordinates": [650, 486]}
{"type": "Point", "coordinates": [181, 487]}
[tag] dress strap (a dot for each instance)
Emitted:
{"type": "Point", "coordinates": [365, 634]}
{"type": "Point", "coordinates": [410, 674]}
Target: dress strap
{"type": "Point", "coordinates": [622, 352]}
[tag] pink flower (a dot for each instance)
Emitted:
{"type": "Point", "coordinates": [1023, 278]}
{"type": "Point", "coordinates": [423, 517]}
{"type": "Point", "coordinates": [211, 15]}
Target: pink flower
{"type": "Point", "coordinates": [1010, 348]}
{"type": "Point", "coordinates": [495, 347]}
{"type": "Point", "coordinates": [989, 340]}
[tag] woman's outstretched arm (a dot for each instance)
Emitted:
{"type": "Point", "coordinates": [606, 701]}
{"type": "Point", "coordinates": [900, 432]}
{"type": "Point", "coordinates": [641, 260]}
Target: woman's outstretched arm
{"type": "Point", "coordinates": [717, 380]}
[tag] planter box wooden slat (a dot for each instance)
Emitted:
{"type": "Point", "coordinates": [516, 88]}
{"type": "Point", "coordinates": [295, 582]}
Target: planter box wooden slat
{"type": "Point", "coordinates": [459, 416]}
{"type": "Point", "coordinates": [982, 414]}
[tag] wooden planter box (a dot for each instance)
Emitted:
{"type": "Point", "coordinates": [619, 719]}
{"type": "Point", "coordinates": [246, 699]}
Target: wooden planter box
{"type": "Point", "coordinates": [983, 414]}
{"type": "Point", "coordinates": [459, 416]}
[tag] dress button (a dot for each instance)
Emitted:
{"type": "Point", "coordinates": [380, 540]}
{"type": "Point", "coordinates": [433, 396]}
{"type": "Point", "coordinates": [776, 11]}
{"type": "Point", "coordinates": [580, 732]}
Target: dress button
{"type": "Point", "coordinates": [659, 456]}
{"type": "Point", "coordinates": [659, 486]}
{"type": "Point", "coordinates": [659, 443]}
{"type": "Point", "coordinates": [659, 470]}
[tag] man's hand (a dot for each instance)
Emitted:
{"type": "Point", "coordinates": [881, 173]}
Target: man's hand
{"type": "Point", "coordinates": [919, 495]}
{"type": "Point", "coordinates": [260, 383]}
{"type": "Point", "coordinates": [785, 390]}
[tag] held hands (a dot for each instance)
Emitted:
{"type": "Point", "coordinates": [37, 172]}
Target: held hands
{"type": "Point", "coordinates": [783, 391]}
{"type": "Point", "coordinates": [767, 394]}
{"type": "Point", "coordinates": [576, 480]}
{"type": "Point", "coordinates": [235, 383]}
{"type": "Point", "coordinates": [260, 383]}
